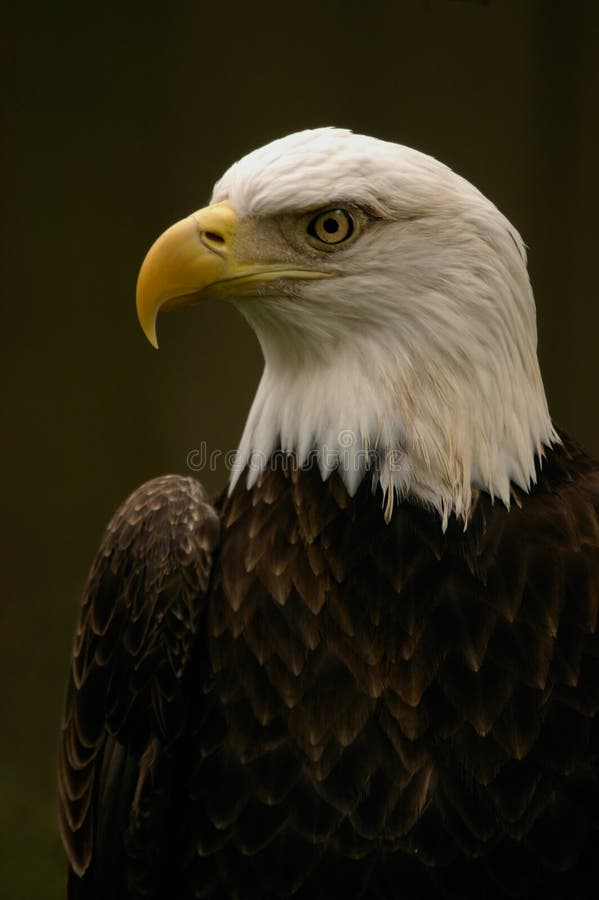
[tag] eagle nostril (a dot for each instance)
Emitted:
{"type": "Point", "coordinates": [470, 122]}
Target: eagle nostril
{"type": "Point", "coordinates": [212, 237]}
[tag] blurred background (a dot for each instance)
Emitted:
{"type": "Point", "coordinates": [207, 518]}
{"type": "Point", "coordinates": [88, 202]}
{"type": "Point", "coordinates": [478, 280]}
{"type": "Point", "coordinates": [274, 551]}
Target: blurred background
{"type": "Point", "coordinates": [118, 119]}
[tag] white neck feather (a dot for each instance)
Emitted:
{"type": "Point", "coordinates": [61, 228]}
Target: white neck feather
{"type": "Point", "coordinates": [434, 409]}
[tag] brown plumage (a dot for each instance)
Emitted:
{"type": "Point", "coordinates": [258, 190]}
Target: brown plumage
{"type": "Point", "coordinates": [281, 695]}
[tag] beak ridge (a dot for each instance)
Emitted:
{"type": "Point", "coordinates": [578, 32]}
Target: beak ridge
{"type": "Point", "coordinates": [188, 257]}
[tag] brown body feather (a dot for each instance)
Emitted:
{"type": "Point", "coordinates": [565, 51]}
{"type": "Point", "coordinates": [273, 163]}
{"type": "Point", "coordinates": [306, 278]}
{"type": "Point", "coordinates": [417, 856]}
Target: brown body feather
{"type": "Point", "coordinates": [127, 704]}
{"type": "Point", "coordinates": [367, 709]}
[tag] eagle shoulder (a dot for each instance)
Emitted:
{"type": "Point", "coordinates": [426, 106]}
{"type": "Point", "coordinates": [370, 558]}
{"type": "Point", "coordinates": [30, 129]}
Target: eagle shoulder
{"type": "Point", "coordinates": [126, 698]}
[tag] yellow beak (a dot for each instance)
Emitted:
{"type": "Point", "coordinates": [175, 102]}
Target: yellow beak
{"type": "Point", "coordinates": [194, 260]}
{"type": "Point", "coordinates": [190, 256]}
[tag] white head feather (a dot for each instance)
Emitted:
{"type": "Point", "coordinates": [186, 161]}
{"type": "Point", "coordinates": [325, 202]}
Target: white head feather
{"type": "Point", "coordinates": [418, 360]}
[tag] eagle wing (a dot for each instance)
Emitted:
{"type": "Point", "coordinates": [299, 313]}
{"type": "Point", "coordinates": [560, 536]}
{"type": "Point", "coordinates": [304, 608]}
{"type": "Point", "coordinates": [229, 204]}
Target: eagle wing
{"type": "Point", "coordinates": [126, 705]}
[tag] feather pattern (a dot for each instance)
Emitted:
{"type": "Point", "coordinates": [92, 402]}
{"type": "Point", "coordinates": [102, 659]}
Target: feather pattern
{"type": "Point", "coordinates": [127, 702]}
{"type": "Point", "coordinates": [336, 705]}
{"type": "Point", "coordinates": [414, 722]}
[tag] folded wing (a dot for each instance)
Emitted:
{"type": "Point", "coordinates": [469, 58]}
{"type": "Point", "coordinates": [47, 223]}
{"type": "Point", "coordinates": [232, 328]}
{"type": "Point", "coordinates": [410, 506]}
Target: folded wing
{"type": "Point", "coordinates": [127, 702]}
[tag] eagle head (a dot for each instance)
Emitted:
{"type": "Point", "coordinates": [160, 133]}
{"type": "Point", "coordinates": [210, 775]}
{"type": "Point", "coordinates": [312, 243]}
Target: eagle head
{"type": "Point", "coordinates": [393, 307]}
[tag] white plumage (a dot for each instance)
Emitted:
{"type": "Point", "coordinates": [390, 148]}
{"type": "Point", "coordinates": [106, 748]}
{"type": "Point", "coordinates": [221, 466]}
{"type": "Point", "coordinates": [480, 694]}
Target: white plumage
{"type": "Point", "coordinates": [418, 356]}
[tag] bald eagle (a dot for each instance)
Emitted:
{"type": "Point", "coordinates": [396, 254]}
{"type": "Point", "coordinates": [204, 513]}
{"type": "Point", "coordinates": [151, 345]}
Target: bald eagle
{"type": "Point", "coordinates": [370, 668]}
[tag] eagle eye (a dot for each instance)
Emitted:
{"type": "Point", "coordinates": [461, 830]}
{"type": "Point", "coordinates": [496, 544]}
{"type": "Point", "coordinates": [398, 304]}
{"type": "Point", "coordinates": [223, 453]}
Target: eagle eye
{"type": "Point", "coordinates": [331, 227]}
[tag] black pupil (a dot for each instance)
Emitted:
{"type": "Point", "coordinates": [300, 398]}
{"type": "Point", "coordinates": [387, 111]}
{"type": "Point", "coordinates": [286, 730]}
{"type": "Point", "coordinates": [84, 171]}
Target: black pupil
{"type": "Point", "coordinates": [330, 226]}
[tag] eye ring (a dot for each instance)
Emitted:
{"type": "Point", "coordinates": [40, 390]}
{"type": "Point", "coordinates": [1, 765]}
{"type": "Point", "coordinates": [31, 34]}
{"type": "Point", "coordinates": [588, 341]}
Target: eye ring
{"type": "Point", "coordinates": [333, 226]}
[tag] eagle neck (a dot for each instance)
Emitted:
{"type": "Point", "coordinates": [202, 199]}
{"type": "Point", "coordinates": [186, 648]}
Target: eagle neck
{"type": "Point", "coordinates": [430, 423]}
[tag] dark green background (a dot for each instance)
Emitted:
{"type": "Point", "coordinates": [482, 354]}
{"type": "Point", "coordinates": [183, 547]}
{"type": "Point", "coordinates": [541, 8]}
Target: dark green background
{"type": "Point", "coordinates": [119, 118]}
